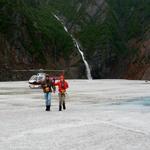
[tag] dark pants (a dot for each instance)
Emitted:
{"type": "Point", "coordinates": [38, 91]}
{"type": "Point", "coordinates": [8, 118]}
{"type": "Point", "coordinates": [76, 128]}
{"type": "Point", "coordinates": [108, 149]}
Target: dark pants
{"type": "Point", "coordinates": [62, 101]}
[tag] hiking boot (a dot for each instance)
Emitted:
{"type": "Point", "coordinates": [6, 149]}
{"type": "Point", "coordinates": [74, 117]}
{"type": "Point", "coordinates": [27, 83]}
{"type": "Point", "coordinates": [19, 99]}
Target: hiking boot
{"type": "Point", "coordinates": [47, 108]}
{"type": "Point", "coordinates": [64, 106]}
{"type": "Point", "coordinates": [60, 108]}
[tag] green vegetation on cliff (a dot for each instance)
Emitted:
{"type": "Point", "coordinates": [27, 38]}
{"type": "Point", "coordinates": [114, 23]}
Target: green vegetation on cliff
{"type": "Point", "coordinates": [112, 26]}
{"type": "Point", "coordinates": [34, 26]}
{"type": "Point", "coordinates": [105, 28]}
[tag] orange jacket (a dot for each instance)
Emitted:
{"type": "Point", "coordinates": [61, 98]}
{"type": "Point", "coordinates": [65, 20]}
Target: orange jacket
{"type": "Point", "coordinates": [62, 86]}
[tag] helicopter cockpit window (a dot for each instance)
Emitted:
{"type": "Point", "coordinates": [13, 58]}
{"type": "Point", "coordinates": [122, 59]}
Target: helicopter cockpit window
{"type": "Point", "coordinates": [34, 77]}
{"type": "Point", "coordinates": [40, 78]}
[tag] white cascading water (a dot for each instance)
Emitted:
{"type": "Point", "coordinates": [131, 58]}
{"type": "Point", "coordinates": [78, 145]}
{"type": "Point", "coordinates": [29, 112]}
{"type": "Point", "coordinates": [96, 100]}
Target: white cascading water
{"type": "Point", "coordinates": [76, 43]}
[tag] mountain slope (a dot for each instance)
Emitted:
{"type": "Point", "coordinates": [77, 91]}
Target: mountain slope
{"type": "Point", "coordinates": [114, 35]}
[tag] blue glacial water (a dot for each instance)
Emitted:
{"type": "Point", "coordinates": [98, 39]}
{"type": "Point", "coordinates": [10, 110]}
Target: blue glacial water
{"type": "Point", "coordinates": [142, 103]}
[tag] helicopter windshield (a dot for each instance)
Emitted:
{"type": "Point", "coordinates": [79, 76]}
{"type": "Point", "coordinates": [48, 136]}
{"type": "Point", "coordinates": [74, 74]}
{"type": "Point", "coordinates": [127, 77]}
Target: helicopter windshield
{"type": "Point", "coordinates": [40, 78]}
{"type": "Point", "coordinates": [34, 77]}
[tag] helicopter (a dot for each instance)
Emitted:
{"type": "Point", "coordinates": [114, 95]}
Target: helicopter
{"type": "Point", "coordinates": [36, 79]}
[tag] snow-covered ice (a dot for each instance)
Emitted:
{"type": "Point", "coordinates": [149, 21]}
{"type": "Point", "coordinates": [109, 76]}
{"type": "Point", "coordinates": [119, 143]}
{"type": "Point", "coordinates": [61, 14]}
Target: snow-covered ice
{"type": "Point", "coordinates": [95, 119]}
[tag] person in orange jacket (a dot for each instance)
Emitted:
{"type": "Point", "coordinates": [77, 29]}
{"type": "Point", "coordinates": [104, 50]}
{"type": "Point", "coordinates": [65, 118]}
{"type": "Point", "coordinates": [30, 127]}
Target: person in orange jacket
{"type": "Point", "coordinates": [62, 86]}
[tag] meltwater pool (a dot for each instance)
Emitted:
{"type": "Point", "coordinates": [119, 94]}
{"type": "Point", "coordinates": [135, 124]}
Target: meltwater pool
{"type": "Point", "coordinates": [138, 103]}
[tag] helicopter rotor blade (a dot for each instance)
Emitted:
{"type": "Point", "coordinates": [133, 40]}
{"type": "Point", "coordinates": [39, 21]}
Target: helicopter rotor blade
{"type": "Point", "coordinates": [39, 70]}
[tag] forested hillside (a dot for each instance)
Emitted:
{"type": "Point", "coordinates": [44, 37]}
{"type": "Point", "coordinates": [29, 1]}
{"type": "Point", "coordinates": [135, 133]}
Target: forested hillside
{"type": "Point", "coordinates": [114, 35]}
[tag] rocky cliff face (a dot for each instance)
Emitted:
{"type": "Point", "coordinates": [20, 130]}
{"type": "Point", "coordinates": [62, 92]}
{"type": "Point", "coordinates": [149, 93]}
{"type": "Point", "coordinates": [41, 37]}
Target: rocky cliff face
{"type": "Point", "coordinates": [139, 66]}
{"type": "Point", "coordinates": [26, 43]}
{"type": "Point", "coordinates": [114, 35]}
{"type": "Point", "coordinates": [121, 47]}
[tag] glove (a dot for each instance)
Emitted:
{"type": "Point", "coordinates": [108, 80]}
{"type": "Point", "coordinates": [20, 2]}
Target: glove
{"type": "Point", "coordinates": [47, 89]}
{"type": "Point", "coordinates": [62, 91]}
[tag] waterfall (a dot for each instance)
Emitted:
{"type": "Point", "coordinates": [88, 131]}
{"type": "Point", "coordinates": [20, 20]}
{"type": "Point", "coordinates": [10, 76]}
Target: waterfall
{"type": "Point", "coordinates": [77, 45]}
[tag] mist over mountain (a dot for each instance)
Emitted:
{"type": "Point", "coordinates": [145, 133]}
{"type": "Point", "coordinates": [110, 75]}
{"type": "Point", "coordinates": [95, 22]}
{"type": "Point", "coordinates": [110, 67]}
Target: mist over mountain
{"type": "Point", "coordinates": [113, 34]}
